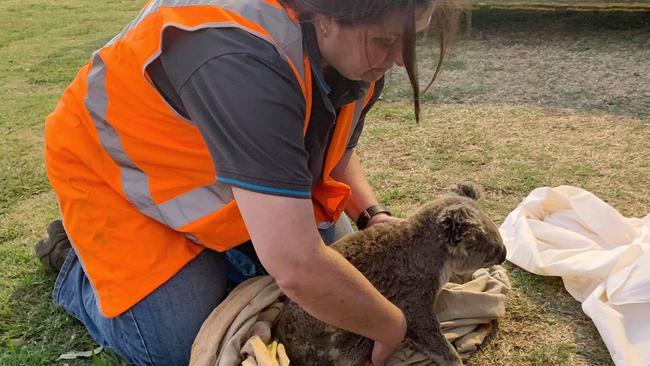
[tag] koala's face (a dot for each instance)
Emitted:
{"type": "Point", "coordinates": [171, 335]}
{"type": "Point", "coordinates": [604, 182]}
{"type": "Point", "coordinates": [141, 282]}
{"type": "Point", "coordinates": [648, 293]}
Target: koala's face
{"type": "Point", "coordinates": [472, 239]}
{"type": "Point", "coordinates": [481, 246]}
{"type": "Point", "coordinates": [456, 221]}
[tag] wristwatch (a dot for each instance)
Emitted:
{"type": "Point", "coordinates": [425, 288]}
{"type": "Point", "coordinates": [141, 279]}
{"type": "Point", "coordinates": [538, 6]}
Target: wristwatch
{"type": "Point", "coordinates": [368, 213]}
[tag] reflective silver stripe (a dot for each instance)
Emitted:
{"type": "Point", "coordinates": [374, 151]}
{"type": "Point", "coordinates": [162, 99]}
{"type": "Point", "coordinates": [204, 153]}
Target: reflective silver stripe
{"type": "Point", "coordinates": [134, 182]}
{"type": "Point", "coordinates": [207, 25]}
{"type": "Point", "coordinates": [193, 205]}
{"type": "Point", "coordinates": [143, 13]}
{"type": "Point", "coordinates": [174, 213]}
{"type": "Point", "coordinates": [287, 36]}
{"type": "Point", "coordinates": [196, 204]}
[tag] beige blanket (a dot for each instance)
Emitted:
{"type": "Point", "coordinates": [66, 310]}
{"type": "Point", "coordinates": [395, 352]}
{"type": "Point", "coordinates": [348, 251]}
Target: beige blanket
{"type": "Point", "coordinates": [239, 330]}
{"type": "Point", "coordinates": [602, 257]}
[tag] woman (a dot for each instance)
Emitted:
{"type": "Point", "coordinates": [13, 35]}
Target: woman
{"type": "Point", "coordinates": [207, 125]}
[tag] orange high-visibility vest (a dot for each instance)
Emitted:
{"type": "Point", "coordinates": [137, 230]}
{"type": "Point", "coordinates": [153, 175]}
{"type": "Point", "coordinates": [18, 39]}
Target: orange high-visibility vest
{"type": "Point", "coordinates": [135, 182]}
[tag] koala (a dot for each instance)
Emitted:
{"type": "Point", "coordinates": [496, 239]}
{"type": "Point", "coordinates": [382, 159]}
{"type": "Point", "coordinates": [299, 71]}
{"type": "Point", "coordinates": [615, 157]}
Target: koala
{"type": "Point", "coordinates": [408, 263]}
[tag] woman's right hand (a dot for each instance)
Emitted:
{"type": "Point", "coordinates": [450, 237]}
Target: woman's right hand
{"type": "Point", "coordinates": [382, 350]}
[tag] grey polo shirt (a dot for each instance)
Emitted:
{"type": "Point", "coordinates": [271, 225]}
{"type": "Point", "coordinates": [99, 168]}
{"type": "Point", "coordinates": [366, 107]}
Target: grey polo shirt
{"type": "Point", "coordinates": [249, 108]}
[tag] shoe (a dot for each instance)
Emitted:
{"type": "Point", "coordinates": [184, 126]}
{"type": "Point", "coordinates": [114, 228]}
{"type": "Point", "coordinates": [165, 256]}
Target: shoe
{"type": "Point", "coordinates": [53, 250]}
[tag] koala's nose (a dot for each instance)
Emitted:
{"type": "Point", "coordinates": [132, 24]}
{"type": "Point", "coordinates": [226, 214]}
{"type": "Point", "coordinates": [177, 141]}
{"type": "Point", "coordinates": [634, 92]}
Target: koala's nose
{"type": "Point", "coordinates": [504, 253]}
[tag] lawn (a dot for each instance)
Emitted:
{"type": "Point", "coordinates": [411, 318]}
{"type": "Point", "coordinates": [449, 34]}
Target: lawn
{"type": "Point", "coordinates": [530, 99]}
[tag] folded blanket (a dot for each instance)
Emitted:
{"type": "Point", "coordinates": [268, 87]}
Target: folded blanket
{"type": "Point", "coordinates": [602, 257]}
{"type": "Point", "coordinates": [238, 332]}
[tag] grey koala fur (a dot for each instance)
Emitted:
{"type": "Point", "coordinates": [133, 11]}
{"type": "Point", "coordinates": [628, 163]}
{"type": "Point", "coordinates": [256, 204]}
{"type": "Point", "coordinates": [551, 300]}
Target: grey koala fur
{"type": "Point", "coordinates": [408, 263]}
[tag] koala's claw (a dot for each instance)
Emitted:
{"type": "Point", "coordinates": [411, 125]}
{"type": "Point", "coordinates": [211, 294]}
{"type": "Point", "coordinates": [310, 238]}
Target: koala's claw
{"type": "Point", "coordinates": [431, 341]}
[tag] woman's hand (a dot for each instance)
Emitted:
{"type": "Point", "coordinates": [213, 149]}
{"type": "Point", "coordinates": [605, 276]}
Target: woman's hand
{"type": "Point", "coordinates": [382, 350]}
{"type": "Point", "coordinates": [382, 217]}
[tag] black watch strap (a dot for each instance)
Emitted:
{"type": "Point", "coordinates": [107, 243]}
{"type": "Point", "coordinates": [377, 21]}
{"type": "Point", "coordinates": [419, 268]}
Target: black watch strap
{"type": "Point", "coordinates": [368, 213]}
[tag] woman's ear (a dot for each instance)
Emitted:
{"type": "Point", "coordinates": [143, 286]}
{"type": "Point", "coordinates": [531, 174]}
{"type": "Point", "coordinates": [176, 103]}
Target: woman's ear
{"type": "Point", "coordinates": [323, 24]}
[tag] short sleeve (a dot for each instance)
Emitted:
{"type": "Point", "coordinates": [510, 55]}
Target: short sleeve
{"type": "Point", "coordinates": [246, 101]}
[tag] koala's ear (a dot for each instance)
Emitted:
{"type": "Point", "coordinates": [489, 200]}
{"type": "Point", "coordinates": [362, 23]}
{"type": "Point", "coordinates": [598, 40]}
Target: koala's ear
{"type": "Point", "coordinates": [466, 189]}
{"type": "Point", "coordinates": [456, 222]}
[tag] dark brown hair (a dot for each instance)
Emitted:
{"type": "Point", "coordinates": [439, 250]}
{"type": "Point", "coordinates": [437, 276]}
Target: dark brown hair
{"type": "Point", "coordinates": [362, 12]}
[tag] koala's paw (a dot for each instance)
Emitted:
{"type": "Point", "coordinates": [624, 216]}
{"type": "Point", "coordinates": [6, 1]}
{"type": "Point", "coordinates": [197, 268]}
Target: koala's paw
{"type": "Point", "coordinates": [436, 347]}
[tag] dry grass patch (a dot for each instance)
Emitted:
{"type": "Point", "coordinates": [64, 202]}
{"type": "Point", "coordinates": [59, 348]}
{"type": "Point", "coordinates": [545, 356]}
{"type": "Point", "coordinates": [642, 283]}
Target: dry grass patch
{"type": "Point", "coordinates": [510, 151]}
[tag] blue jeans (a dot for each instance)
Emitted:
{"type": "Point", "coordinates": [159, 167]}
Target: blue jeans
{"type": "Point", "coordinates": [160, 329]}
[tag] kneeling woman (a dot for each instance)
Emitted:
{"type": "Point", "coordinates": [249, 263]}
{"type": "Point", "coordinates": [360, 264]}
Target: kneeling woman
{"type": "Point", "coordinates": [208, 125]}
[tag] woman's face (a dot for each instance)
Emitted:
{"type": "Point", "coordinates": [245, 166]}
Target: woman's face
{"type": "Point", "coordinates": [366, 52]}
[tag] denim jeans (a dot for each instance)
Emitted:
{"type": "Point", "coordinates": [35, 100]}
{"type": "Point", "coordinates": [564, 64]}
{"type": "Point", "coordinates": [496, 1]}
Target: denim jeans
{"type": "Point", "coordinates": [160, 329]}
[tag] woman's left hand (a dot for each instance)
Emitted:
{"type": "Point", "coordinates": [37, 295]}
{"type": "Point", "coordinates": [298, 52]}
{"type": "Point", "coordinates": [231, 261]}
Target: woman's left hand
{"type": "Point", "coordinates": [382, 217]}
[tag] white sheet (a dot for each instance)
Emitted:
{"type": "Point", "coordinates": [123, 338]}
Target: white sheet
{"type": "Point", "coordinates": [602, 257]}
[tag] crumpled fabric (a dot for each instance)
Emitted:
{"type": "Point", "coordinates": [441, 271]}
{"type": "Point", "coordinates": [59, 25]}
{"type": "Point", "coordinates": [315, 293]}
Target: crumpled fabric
{"type": "Point", "coordinates": [238, 331]}
{"type": "Point", "coordinates": [228, 336]}
{"type": "Point", "coordinates": [467, 307]}
{"type": "Point", "coordinates": [602, 257]}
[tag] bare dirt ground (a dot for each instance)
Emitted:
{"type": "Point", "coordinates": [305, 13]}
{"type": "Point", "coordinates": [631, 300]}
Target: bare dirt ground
{"type": "Point", "coordinates": [583, 60]}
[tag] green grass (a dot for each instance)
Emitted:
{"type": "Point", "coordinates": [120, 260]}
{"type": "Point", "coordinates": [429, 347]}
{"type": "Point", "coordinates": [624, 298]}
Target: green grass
{"type": "Point", "coordinates": [42, 44]}
{"type": "Point", "coordinates": [531, 99]}
{"type": "Point", "coordinates": [559, 355]}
